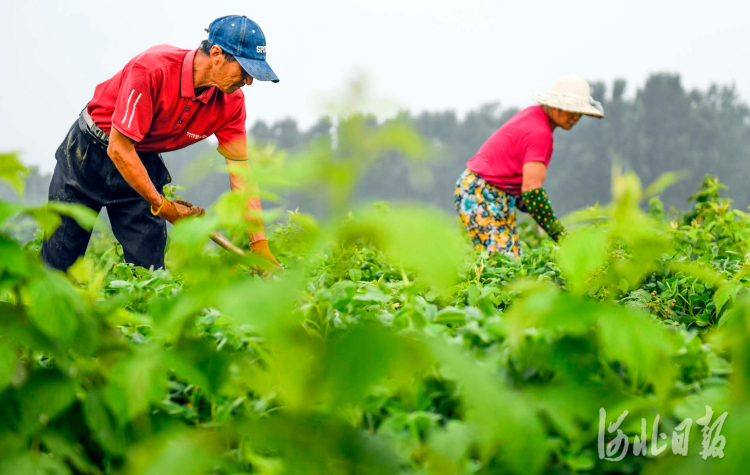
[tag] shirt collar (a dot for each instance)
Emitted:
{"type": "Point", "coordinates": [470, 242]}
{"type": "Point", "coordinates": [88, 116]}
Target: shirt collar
{"type": "Point", "coordinates": [186, 80]}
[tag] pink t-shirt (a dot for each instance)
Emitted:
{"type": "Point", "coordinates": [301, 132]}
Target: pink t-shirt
{"type": "Point", "coordinates": [526, 137]}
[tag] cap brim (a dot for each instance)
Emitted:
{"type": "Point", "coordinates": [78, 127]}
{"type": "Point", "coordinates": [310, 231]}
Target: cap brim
{"type": "Point", "coordinates": [258, 69]}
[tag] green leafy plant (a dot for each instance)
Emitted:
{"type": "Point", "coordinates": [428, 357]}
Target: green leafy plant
{"type": "Point", "coordinates": [387, 346]}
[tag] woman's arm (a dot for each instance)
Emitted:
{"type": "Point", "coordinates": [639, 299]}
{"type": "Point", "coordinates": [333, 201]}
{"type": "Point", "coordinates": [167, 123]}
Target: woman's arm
{"type": "Point", "coordinates": [534, 174]}
{"type": "Point", "coordinates": [536, 200]}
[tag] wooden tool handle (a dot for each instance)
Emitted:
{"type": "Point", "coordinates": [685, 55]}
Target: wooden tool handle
{"type": "Point", "coordinates": [226, 243]}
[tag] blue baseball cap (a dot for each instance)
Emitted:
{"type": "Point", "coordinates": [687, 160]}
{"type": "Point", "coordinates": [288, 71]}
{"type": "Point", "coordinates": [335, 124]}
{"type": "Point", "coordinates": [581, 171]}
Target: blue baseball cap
{"type": "Point", "coordinates": [242, 38]}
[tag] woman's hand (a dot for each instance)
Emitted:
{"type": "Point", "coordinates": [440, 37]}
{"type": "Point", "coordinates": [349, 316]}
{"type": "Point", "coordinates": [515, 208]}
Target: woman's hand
{"type": "Point", "coordinates": [521, 205]}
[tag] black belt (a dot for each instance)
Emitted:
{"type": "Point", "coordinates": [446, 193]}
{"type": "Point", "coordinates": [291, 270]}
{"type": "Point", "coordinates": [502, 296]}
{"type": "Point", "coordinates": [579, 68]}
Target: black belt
{"type": "Point", "coordinates": [88, 127]}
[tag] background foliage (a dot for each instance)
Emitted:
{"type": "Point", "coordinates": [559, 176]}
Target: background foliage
{"type": "Point", "coordinates": [387, 346]}
{"type": "Point", "coordinates": [659, 127]}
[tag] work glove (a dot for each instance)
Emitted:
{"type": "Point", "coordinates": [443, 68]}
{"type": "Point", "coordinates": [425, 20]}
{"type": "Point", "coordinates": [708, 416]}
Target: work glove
{"type": "Point", "coordinates": [541, 210]}
{"type": "Point", "coordinates": [173, 211]}
{"type": "Point", "coordinates": [260, 248]}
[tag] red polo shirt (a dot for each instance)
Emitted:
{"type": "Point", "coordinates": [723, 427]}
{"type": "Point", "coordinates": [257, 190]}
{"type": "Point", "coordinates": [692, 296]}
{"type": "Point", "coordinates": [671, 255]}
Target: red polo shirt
{"type": "Point", "coordinates": [153, 102]}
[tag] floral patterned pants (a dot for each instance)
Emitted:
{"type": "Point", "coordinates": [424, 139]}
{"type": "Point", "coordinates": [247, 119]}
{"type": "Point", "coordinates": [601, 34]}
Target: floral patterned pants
{"type": "Point", "coordinates": [488, 214]}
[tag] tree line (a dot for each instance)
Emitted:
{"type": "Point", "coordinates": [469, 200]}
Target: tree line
{"type": "Point", "coordinates": [662, 127]}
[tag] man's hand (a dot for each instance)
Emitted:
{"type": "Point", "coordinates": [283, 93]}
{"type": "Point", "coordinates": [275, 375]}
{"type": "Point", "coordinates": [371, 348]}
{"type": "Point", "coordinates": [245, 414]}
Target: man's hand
{"type": "Point", "coordinates": [261, 249]}
{"type": "Point", "coordinates": [173, 211]}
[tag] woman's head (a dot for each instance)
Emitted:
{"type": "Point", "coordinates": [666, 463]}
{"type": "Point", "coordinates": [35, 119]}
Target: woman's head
{"type": "Point", "coordinates": [562, 118]}
{"type": "Point", "coordinates": [569, 99]}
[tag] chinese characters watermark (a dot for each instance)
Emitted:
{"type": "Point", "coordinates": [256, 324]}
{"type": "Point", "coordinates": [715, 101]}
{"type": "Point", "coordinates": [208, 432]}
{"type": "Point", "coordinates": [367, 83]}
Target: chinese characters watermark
{"type": "Point", "coordinates": [713, 442]}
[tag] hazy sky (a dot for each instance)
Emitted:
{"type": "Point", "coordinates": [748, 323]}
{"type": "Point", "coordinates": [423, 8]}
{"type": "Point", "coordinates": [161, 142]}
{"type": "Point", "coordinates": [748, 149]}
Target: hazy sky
{"type": "Point", "coordinates": [418, 54]}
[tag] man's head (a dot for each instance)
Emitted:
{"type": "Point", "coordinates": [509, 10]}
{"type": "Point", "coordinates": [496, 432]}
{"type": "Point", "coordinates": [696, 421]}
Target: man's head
{"type": "Point", "coordinates": [562, 118]}
{"type": "Point", "coordinates": [242, 40]}
{"type": "Point", "coordinates": [226, 72]}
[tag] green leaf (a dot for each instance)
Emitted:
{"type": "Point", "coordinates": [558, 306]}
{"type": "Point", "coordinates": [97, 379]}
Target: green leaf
{"type": "Point", "coordinates": [663, 182]}
{"type": "Point", "coordinates": [262, 304]}
{"type": "Point", "coordinates": [12, 171]}
{"type": "Point", "coordinates": [64, 447]}
{"type": "Point", "coordinates": [359, 360]}
{"type": "Point", "coordinates": [44, 396]}
{"type": "Point", "coordinates": [426, 240]}
{"type": "Point", "coordinates": [316, 443]}
{"type": "Point", "coordinates": [343, 293]}
{"type": "Point", "coordinates": [506, 424]}
{"type": "Point", "coordinates": [726, 292]}
{"type": "Point", "coordinates": [371, 294]}
{"type": "Point", "coordinates": [48, 216]}
{"type": "Point", "coordinates": [701, 272]}
{"type": "Point", "coordinates": [135, 383]}
{"type": "Point", "coordinates": [13, 260]}
{"type": "Point", "coordinates": [8, 363]}
{"type": "Point", "coordinates": [644, 346]}
{"type": "Point", "coordinates": [186, 453]}
{"type": "Point", "coordinates": [548, 309]}
{"type": "Point", "coordinates": [473, 294]}
{"type": "Point", "coordinates": [47, 219]}
{"type": "Point", "coordinates": [34, 464]}
{"type": "Point", "coordinates": [8, 210]}
{"type": "Point", "coordinates": [449, 447]}
{"type": "Point", "coordinates": [199, 363]}
{"type": "Point", "coordinates": [102, 424]}
{"type": "Point", "coordinates": [402, 138]}
{"type": "Point", "coordinates": [450, 315]}
{"type": "Point", "coordinates": [85, 217]}
{"type": "Point", "coordinates": [582, 252]}
{"type": "Point", "coordinates": [119, 284]}
{"type": "Point", "coordinates": [54, 305]}
{"type": "Point", "coordinates": [581, 463]}
{"type": "Point", "coordinates": [355, 274]}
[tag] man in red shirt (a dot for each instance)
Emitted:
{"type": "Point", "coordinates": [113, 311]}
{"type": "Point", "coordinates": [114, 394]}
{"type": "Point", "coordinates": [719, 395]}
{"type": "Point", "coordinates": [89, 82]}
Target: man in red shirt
{"type": "Point", "coordinates": [164, 99]}
{"type": "Point", "coordinates": [509, 170]}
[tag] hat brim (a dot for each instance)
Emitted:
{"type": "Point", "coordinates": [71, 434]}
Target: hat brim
{"type": "Point", "coordinates": [258, 69]}
{"type": "Point", "coordinates": [576, 105]}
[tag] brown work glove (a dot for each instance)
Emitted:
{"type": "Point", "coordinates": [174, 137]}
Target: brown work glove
{"type": "Point", "coordinates": [260, 248]}
{"type": "Point", "coordinates": [173, 211]}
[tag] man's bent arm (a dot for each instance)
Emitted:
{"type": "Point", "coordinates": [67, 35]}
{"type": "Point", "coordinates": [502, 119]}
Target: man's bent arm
{"type": "Point", "coordinates": [238, 182]}
{"type": "Point", "coordinates": [121, 150]}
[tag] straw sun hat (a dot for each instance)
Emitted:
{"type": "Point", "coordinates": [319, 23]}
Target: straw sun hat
{"type": "Point", "coordinates": [572, 94]}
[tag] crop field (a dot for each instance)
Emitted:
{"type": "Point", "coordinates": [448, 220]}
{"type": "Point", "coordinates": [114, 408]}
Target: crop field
{"type": "Point", "coordinates": [387, 346]}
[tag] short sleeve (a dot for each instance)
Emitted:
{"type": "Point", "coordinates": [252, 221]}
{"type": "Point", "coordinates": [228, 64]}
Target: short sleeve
{"type": "Point", "coordinates": [537, 148]}
{"type": "Point", "coordinates": [232, 136]}
{"type": "Point", "coordinates": [134, 108]}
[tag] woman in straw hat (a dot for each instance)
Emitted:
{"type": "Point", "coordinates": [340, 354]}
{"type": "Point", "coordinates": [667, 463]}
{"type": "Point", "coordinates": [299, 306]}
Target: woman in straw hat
{"type": "Point", "coordinates": [509, 170]}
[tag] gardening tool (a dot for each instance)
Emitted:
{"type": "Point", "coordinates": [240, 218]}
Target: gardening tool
{"type": "Point", "coordinates": [222, 241]}
{"type": "Point", "coordinates": [216, 237]}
